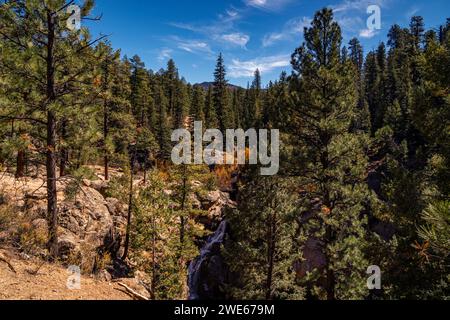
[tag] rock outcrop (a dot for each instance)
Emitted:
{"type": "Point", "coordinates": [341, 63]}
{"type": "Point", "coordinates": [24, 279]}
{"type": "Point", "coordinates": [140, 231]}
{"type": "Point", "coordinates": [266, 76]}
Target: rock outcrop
{"type": "Point", "coordinates": [89, 225]}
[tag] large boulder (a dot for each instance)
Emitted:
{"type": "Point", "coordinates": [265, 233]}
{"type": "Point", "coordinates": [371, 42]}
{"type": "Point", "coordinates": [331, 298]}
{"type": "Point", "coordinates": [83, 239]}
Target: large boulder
{"type": "Point", "coordinates": [84, 224]}
{"type": "Point", "coordinates": [216, 203]}
{"type": "Point", "coordinates": [86, 227]}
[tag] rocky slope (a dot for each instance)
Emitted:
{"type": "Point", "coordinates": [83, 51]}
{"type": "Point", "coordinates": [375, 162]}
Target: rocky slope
{"type": "Point", "coordinates": [91, 232]}
{"type": "Point", "coordinates": [33, 280]}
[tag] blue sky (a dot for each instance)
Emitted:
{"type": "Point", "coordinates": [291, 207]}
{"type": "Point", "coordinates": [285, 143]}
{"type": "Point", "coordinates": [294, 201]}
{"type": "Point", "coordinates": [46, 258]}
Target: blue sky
{"type": "Point", "coordinates": [250, 33]}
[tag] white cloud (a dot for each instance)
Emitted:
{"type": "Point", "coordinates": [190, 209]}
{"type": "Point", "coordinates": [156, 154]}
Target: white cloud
{"type": "Point", "coordinates": [238, 38]}
{"type": "Point", "coordinates": [357, 5]}
{"type": "Point", "coordinates": [222, 29]}
{"type": "Point", "coordinates": [368, 33]}
{"type": "Point", "coordinates": [268, 4]}
{"type": "Point", "coordinates": [240, 69]}
{"type": "Point", "coordinates": [165, 54]}
{"type": "Point", "coordinates": [192, 46]}
{"type": "Point", "coordinates": [350, 24]}
{"type": "Point", "coordinates": [412, 12]}
{"type": "Point", "coordinates": [352, 16]}
{"type": "Point", "coordinates": [223, 23]}
{"type": "Point", "coordinates": [292, 28]}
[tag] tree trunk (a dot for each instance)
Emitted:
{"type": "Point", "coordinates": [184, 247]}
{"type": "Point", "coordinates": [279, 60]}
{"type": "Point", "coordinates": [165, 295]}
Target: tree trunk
{"type": "Point", "coordinates": [183, 207]}
{"type": "Point", "coordinates": [105, 137]}
{"type": "Point", "coordinates": [51, 182]}
{"type": "Point", "coordinates": [331, 296]}
{"type": "Point", "coordinates": [154, 278]}
{"type": "Point", "coordinates": [330, 278]}
{"type": "Point", "coordinates": [52, 200]}
{"type": "Point", "coordinates": [20, 170]}
{"type": "Point", "coordinates": [130, 205]}
{"type": "Point", "coordinates": [271, 234]}
{"type": "Point", "coordinates": [64, 152]}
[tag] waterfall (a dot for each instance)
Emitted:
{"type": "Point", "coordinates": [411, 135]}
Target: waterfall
{"type": "Point", "coordinates": [211, 248]}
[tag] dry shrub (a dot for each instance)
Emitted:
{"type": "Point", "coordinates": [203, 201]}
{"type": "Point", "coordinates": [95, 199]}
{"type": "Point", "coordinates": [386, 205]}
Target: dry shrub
{"type": "Point", "coordinates": [89, 259]}
{"type": "Point", "coordinates": [20, 231]}
{"type": "Point", "coordinates": [31, 240]}
{"type": "Point", "coordinates": [224, 175]}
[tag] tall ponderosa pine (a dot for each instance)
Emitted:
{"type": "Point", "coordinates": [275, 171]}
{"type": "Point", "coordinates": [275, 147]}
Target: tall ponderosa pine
{"type": "Point", "coordinates": [56, 60]}
{"type": "Point", "coordinates": [141, 98]}
{"type": "Point", "coordinates": [264, 251]}
{"type": "Point", "coordinates": [333, 163]}
{"type": "Point", "coordinates": [163, 125]}
{"type": "Point", "coordinates": [198, 104]}
{"type": "Point", "coordinates": [210, 111]}
{"type": "Point", "coordinates": [221, 97]}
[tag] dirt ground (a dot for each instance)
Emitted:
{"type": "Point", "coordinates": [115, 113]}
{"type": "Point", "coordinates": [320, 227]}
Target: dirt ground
{"type": "Point", "coordinates": [50, 282]}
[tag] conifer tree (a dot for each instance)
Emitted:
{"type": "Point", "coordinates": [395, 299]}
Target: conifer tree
{"type": "Point", "coordinates": [221, 97]}
{"type": "Point", "coordinates": [163, 126]}
{"type": "Point", "coordinates": [417, 28]}
{"type": "Point", "coordinates": [198, 104]}
{"type": "Point", "coordinates": [333, 159]}
{"type": "Point", "coordinates": [171, 79]}
{"type": "Point", "coordinates": [181, 106]}
{"type": "Point", "coordinates": [107, 69]}
{"type": "Point", "coordinates": [254, 101]}
{"type": "Point", "coordinates": [210, 111]}
{"type": "Point", "coordinates": [141, 99]}
{"type": "Point", "coordinates": [55, 59]}
{"type": "Point", "coordinates": [156, 246]}
{"type": "Point", "coordinates": [264, 251]}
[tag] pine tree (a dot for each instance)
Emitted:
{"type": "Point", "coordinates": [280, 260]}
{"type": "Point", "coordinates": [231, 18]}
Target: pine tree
{"type": "Point", "coordinates": [181, 106]}
{"type": "Point", "coordinates": [373, 86]}
{"type": "Point", "coordinates": [170, 83]}
{"type": "Point", "coordinates": [56, 62]}
{"type": "Point", "coordinates": [198, 104]}
{"type": "Point", "coordinates": [220, 96]}
{"type": "Point", "coordinates": [141, 98]}
{"type": "Point", "coordinates": [333, 161]}
{"type": "Point", "coordinates": [163, 126]}
{"type": "Point", "coordinates": [210, 111]}
{"type": "Point", "coordinates": [254, 101]}
{"type": "Point", "coordinates": [356, 56]}
{"type": "Point", "coordinates": [107, 68]}
{"type": "Point", "coordinates": [417, 29]}
{"type": "Point", "coordinates": [264, 228]}
{"type": "Point", "coordinates": [156, 245]}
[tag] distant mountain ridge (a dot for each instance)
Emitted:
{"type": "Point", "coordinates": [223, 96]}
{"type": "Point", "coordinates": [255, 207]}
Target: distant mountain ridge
{"type": "Point", "coordinates": [207, 85]}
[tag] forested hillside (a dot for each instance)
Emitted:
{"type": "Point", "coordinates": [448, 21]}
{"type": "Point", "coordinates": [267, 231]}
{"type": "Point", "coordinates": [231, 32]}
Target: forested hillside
{"type": "Point", "coordinates": [364, 177]}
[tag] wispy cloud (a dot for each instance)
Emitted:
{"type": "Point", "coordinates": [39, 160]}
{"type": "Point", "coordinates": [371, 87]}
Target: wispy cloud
{"type": "Point", "coordinates": [240, 69]}
{"type": "Point", "coordinates": [191, 46]}
{"type": "Point", "coordinates": [368, 33]}
{"type": "Point", "coordinates": [412, 12]}
{"type": "Point", "coordinates": [238, 38]}
{"type": "Point", "coordinates": [268, 4]}
{"type": "Point", "coordinates": [223, 23]}
{"type": "Point", "coordinates": [352, 16]}
{"type": "Point", "coordinates": [292, 29]}
{"type": "Point", "coordinates": [165, 54]}
{"type": "Point", "coordinates": [222, 30]}
{"type": "Point", "coordinates": [357, 5]}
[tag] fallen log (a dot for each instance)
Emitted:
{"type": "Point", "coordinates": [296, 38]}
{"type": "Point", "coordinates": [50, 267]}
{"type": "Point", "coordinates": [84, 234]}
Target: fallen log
{"type": "Point", "coordinates": [133, 293]}
{"type": "Point", "coordinates": [10, 266]}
